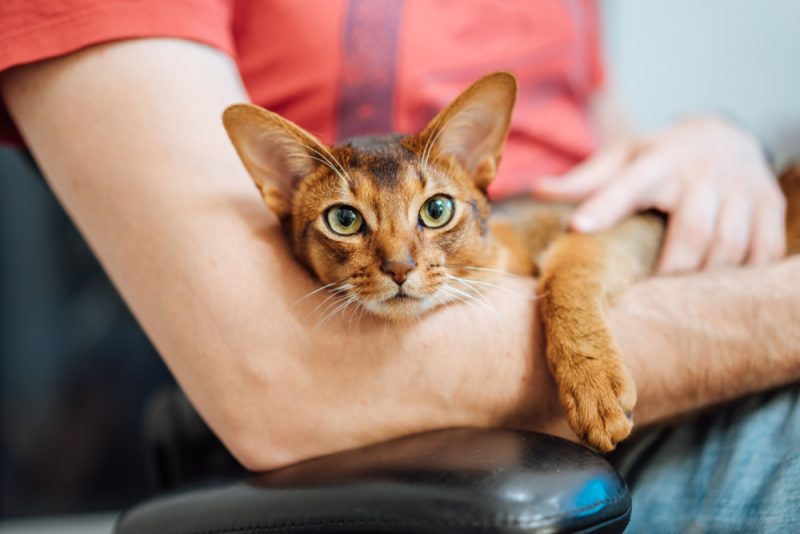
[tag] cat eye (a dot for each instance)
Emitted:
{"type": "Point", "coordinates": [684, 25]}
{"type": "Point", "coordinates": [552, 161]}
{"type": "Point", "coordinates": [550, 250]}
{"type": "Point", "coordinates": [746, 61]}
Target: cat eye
{"type": "Point", "coordinates": [344, 220]}
{"type": "Point", "coordinates": [437, 211]}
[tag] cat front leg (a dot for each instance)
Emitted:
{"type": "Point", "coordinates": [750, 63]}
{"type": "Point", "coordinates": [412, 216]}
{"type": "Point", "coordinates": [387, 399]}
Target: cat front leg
{"type": "Point", "coordinates": [581, 275]}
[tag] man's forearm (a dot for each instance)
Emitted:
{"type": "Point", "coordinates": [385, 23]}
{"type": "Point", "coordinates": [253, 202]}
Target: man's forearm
{"type": "Point", "coordinates": [698, 340]}
{"type": "Point", "coordinates": [129, 137]}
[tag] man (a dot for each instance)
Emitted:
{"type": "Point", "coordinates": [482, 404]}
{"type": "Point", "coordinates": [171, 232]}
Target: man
{"type": "Point", "coordinates": [128, 134]}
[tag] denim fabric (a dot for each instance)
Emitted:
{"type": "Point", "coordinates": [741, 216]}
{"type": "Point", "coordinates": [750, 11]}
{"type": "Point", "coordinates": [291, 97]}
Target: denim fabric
{"type": "Point", "coordinates": [736, 469]}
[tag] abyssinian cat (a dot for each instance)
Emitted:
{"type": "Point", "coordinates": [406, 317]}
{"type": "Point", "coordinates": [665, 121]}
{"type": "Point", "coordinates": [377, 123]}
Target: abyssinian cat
{"type": "Point", "coordinates": [401, 224]}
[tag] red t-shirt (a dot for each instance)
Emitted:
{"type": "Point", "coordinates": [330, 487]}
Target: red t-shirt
{"type": "Point", "coordinates": [341, 68]}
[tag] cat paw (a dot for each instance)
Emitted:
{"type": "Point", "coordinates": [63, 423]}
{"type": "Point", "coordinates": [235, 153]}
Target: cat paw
{"type": "Point", "coordinates": [600, 405]}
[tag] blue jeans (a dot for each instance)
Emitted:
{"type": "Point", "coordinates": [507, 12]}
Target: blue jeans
{"type": "Point", "coordinates": [736, 469]}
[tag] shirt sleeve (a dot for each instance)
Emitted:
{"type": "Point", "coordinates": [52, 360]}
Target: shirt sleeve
{"type": "Point", "coordinates": [34, 30]}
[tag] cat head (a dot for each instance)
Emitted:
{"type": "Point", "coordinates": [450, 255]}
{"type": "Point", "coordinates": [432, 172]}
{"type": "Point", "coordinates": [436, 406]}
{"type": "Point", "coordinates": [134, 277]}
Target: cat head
{"type": "Point", "coordinates": [390, 222]}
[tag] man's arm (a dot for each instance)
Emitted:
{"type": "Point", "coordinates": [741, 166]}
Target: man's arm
{"type": "Point", "coordinates": [698, 340]}
{"type": "Point", "coordinates": [130, 138]}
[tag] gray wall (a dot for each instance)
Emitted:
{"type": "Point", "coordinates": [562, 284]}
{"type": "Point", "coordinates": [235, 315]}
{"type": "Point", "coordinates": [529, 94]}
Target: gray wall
{"type": "Point", "coordinates": [668, 58]}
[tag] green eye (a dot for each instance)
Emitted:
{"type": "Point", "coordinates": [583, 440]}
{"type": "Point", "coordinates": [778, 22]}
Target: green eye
{"type": "Point", "coordinates": [344, 220]}
{"type": "Point", "coordinates": [437, 211]}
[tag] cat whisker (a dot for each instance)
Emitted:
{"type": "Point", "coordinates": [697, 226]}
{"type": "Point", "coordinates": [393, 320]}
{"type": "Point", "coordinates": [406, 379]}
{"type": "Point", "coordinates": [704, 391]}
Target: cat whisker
{"type": "Point", "coordinates": [432, 142]}
{"type": "Point", "coordinates": [481, 299]}
{"type": "Point", "coordinates": [469, 298]}
{"type": "Point", "coordinates": [361, 311]}
{"type": "Point", "coordinates": [334, 160]}
{"type": "Point", "coordinates": [471, 268]}
{"type": "Point", "coordinates": [329, 160]}
{"type": "Point", "coordinates": [332, 300]}
{"type": "Point", "coordinates": [476, 290]}
{"type": "Point", "coordinates": [347, 308]}
{"type": "Point", "coordinates": [336, 291]}
{"type": "Point", "coordinates": [493, 286]}
{"type": "Point", "coordinates": [327, 157]}
{"type": "Point", "coordinates": [333, 164]}
{"type": "Point", "coordinates": [447, 290]}
{"type": "Point", "coordinates": [340, 307]}
{"type": "Point", "coordinates": [314, 292]}
{"type": "Point", "coordinates": [426, 151]}
{"type": "Point", "coordinates": [353, 314]}
{"type": "Point", "coordinates": [328, 164]}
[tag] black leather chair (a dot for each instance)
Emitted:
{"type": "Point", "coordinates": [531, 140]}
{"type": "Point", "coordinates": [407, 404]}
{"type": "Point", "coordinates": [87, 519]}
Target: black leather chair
{"type": "Point", "coordinates": [459, 480]}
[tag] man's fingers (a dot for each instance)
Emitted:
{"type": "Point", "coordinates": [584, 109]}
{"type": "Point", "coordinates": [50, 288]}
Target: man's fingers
{"type": "Point", "coordinates": [689, 232]}
{"type": "Point", "coordinates": [623, 196]}
{"type": "Point", "coordinates": [583, 179]}
{"type": "Point", "coordinates": [768, 239]}
{"type": "Point", "coordinates": [731, 238]}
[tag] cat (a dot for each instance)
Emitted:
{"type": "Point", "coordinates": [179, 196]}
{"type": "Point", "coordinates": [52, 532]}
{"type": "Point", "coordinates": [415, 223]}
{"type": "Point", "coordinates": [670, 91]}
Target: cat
{"type": "Point", "coordinates": [402, 224]}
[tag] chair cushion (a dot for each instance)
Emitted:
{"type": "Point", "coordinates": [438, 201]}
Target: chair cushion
{"type": "Point", "coordinates": [459, 480]}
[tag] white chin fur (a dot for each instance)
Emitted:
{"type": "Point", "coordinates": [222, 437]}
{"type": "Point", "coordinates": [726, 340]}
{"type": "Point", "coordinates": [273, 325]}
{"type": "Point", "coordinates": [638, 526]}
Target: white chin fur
{"type": "Point", "coordinates": [406, 308]}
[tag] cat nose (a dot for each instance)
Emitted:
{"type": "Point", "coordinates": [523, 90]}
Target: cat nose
{"type": "Point", "coordinates": [398, 270]}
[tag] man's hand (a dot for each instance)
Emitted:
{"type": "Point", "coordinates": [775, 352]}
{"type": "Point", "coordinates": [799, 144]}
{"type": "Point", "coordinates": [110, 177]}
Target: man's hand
{"type": "Point", "coordinates": [724, 204]}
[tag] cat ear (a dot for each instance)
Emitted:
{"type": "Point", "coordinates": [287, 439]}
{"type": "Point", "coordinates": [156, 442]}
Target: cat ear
{"type": "Point", "coordinates": [474, 127]}
{"type": "Point", "coordinates": [276, 152]}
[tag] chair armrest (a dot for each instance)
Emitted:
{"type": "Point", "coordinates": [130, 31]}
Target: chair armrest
{"type": "Point", "coordinates": [459, 480]}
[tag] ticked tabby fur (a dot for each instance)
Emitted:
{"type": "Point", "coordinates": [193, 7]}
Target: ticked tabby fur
{"type": "Point", "coordinates": [402, 224]}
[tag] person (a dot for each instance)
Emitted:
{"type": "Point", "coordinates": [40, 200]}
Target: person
{"type": "Point", "coordinates": [119, 103]}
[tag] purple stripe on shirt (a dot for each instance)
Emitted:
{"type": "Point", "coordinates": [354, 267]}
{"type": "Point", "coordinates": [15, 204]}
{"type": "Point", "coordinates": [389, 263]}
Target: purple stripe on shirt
{"type": "Point", "coordinates": [369, 70]}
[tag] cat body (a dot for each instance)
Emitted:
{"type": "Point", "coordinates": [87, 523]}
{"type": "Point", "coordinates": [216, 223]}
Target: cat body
{"type": "Point", "coordinates": [402, 224]}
